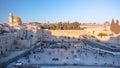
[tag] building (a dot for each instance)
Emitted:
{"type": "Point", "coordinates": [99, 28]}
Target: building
{"type": "Point", "coordinates": [6, 42]}
{"type": "Point", "coordinates": [14, 21]}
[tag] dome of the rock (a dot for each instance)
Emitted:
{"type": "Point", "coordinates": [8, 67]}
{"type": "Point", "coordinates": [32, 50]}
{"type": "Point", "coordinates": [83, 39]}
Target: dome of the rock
{"type": "Point", "coordinates": [17, 20]}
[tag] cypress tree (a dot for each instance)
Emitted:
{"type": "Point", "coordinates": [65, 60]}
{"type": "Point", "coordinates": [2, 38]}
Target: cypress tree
{"type": "Point", "coordinates": [112, 27]}
{"type": "Point", "coordinates": [115, 27]}
{"type": "Point", "coordinates": [116, 31]}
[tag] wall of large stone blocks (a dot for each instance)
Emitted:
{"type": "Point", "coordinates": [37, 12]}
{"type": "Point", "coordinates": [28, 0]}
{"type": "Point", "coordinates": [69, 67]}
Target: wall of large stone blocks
{"type": "Point", "coordinates": [6, 43]}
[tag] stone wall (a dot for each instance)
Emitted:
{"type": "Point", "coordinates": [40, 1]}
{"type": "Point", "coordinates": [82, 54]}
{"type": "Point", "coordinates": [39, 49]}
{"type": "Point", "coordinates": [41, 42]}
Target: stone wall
{"type": "Point", "coordinates": [56, 35]}
{"type": "Point", "coordinates": [21, 44]}
{"type": "Point", "coordinates": [68, 33]}
{"type": "Point", "coordinates": [77, 33]}
{"type": "Point", "coordinates": [6, 42]}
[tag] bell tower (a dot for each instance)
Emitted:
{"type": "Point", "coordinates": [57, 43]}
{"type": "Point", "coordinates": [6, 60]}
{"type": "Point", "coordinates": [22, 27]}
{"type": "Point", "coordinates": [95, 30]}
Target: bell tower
{"type": "Point", "coordinates": [10, 18]}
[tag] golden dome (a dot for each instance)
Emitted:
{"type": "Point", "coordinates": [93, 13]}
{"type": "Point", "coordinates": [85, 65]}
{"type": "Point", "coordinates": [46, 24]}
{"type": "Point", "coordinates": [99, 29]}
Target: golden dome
{"type": "Point", "coordinates": [17, 20]}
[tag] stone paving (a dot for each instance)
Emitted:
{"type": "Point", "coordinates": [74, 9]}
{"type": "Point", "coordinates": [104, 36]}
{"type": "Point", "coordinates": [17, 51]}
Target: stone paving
{"type": "Point", "coordinates": [9, 56]}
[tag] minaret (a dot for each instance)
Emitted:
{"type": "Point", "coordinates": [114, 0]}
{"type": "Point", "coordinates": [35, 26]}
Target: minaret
{"type": "Point", "coordinates": [10, 18]}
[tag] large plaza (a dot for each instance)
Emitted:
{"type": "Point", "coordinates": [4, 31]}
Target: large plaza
{"type": "Point", "coordinates": [76, 55]}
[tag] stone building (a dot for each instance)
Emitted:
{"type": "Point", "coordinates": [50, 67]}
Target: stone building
{"type": "Point", "coordinates": [6, 42]}
{"type": "Point", "coordinates": [14, 21]}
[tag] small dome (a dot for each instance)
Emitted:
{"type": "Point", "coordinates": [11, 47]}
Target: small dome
{"type": "Point", "coordinates": [17, 20]}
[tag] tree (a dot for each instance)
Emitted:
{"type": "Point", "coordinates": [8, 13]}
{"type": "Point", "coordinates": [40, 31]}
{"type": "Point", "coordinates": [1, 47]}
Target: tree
{"type": "Point", "coordinates": [115, 27]}
{"type": "Point", "coordinates": [100, 34]}
{"type": "Point", "coordinates": [118, 25]}
{"type": "Point", "coordinates": [59, 25]}
{"type": "Point", "coordinates": [64, 26]}
{"type": "Point", "coordinates": [112, 27]}
{"type": "Point", "coordinates": [116, 31]}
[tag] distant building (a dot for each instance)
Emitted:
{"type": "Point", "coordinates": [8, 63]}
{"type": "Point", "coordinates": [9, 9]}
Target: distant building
{"type": "Point", "coordinates": [14, 21]}
{"type": "Point", "coordinates": [106, 23]}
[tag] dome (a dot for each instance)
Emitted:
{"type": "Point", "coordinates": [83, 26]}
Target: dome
{"type": "Point", "coordinates": [17, 20]}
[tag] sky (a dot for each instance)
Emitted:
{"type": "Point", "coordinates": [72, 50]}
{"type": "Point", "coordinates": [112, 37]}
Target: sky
{"type": "Point", "coordinates": [96, 11]}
